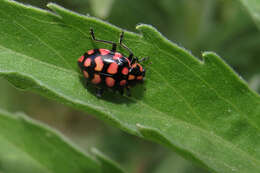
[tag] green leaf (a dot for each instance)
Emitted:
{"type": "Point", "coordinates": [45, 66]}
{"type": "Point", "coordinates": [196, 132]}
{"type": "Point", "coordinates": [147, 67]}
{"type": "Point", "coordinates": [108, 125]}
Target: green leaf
{"type": "Point", "coordinates": [108, 166]}
{"type": "Point", "coordinates": [27, 146]}
{"type": "Point", "coordinates": [101, 8]}
{"type": "Point", "coordinates": [253, 7]}
{"type": "Point", "coordinates": [201, 109]}
{"type": "Point", "coordinates": [177, 165]}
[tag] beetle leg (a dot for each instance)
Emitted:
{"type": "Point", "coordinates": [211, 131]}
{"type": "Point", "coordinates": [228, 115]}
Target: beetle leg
{"type": "Point", "coordinates": [99, 92]}
{"type": "Point", "coordinates": [86, 83]}
{"type": "Point", "coordinates": [121, 90]}
{"type": "Point", "coordinates": [114, 45]}
{"type": "Point", "coordinates": [128, 91]}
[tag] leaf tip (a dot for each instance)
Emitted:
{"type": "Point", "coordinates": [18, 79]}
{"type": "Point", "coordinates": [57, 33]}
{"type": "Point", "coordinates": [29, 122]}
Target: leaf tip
{"type": "Point", "coordinates": [58, 9]}
{"type": "Point", "coordinates": [55, 7]}
{"type": "Point", "coordinates": [52, 5]}
{"type": "Point", "coordinates": [152, 134]}
{"type": "Point", "coordinates": [207, 56]}
{"type": "Point", "coordinates": [145, 29]}
{"type": "Point", "coordinates": [143, 26]}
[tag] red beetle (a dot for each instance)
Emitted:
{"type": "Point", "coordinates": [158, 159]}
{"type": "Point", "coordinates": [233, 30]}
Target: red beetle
{"type": "Point", "coordinates": [108, 68]}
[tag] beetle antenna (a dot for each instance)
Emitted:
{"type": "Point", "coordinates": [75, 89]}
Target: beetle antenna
{"type": "Point", "coordinates": [123, 45]}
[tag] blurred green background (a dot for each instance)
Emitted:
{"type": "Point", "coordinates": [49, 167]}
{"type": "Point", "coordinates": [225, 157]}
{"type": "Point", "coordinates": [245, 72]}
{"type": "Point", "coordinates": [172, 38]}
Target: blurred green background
{"type": "Point", "coordinates": [222, 26]}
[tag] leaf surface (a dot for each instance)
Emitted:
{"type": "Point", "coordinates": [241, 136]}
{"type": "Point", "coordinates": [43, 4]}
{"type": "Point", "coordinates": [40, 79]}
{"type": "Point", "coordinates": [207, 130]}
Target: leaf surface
{"type": "Point", "coordinates": [253, 7]}
{"type": "Point", "coordinates": [27, 146]}
{"type": "Point", "coordinates": [201, 109]}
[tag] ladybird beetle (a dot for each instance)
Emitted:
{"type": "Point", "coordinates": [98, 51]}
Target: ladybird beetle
{"type": "Point", "coordinates": [110, 69]}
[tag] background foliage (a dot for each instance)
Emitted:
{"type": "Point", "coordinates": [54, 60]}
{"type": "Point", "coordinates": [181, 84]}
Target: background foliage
{"type": "Point", "coordinates": [220, 26]}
